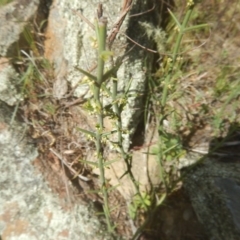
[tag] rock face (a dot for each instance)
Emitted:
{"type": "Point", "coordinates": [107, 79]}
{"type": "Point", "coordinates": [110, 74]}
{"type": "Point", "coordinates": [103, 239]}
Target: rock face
{"type": "Point", "coordinates": [214, 190]}
{"type": "Point", "coordinates": [8, 79]}
{"type": "Point", "coordinates": [70, 41]}
{"type": "Point", "coordinates": [28, 207]}
{"type": "Point", "coordinates": [13, 18]}
{"type": "Point", "coordinates": [69, 44]}
{"type": "Point", "coordinates": [16, 12]}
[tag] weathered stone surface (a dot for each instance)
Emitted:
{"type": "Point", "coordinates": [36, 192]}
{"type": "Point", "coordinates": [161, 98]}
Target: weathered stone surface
{"type": "Point", "coordinates": [28, 207]}
{"type": "Point", "coordinates": [214, 190]}
{"type": "Point", "coordinates": [70, 44]}
{"type": "Point", "coordinates": [8, 81]}
{"type": "Point", "coordinates": [13, 18]}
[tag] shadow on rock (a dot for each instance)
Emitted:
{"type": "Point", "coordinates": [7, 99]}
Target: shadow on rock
{"type": "Point", "coordinates": [213, 186]}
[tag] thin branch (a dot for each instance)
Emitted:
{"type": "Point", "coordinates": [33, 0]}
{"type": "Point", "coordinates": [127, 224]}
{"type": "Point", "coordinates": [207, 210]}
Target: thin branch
{"type": "Point", "coordinates": [84, 19]}
{"type": "Point", "coordinates": [145, 48]}
{"type": "Point", "coordinates": [68, 166]}
{"type": "Point", "coordinates": [142, 13]}
{"type": "Point", "coordinates": [127, 4]}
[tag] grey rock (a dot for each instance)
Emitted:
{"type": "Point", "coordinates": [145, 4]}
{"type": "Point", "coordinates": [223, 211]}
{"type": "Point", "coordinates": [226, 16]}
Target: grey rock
{"type": "Point", "coordinates": [8, 83]}
{"type": "Point", "coordinates": [28, 207]}
{"type": "Point", "coordinates": [70, 45]}
{"type": "Point", "coordinates": [13, 19]}
{"type": "Point", "coordinates": [231, 194]}
{"type": "Point", "coordinates": [214, 190]}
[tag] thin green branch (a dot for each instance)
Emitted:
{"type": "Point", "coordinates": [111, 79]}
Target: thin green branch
{"type": "Point", "coordinates": [101, 29]}
{"type": "Point", "coordinates": [181, 29]}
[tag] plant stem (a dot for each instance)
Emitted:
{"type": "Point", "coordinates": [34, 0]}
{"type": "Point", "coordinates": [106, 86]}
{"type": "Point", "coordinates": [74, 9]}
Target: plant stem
{"type": "Point", "coordinates": [101, 29]}
{"type": "Point", "coordinates": [175, 54]}
{"type": "Point", "coordinates": [126, 157]}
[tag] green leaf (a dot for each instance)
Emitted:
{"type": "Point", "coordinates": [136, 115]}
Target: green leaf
{"type": "Point", "coordinates": [92, 134]}
{"type": "Point", "coordinates": [160, 201]}
{"type": "Point", "coordinates": [175, 19]}
{"type": "Point", "coordinates": [112, 72]}
{"type": "Point", "coordinates": [89, 75]}
{"type": "Point", "coordinates": [110, 162]}
{"type": "Point", "coordinates": [132, 211]}
{"type": "Point", "coordinates": [109, 133]}
{"type": "Point", "coordinates": [105, 55]}
{"type": "Point", "coordinates": [89, 162]}
{"type": "Point", "coordinates": [113, 188]}
{"type": "Point", "coordinates": [196, 27]}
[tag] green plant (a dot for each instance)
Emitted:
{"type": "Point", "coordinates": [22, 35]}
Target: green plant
{"type": "Point", "coordinates": [169, 148]}
{"type": "Point", "coordinates": [4, 2]}
{"type": "Point", "coordinates": [139, 204]}
{"type": "Point", "coordinates": [163, 90]}
{"type": "Point", "coordinates": [101, 28]}
{"type": "Point", "coordinates": [98, 85]}
{"type": "Point", "coordinates": [31, 66]}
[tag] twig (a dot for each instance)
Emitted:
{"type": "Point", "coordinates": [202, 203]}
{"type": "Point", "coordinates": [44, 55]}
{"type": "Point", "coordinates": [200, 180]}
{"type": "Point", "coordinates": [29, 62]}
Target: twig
{"type": "Point", "coordinates": [68, 166]}
{"type": "Point", "coordinates": [84, 19]}
{"type": "Point", "coordinates": [117, 25]}
{"type": "Point", "coordinates": [35, 65]}
{"type": "Point", "coordinates": [74, 102]}
{"type": "Point", "coordinates": [100, 10]}
{"type": "Point", "coordinates": [142, 13]}
{"type": "Point", "coordinates": [145, 48]}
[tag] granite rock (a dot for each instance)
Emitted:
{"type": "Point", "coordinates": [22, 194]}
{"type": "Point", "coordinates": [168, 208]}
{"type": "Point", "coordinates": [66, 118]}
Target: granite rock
{"type": "Point", "coordinates": [213, 185]}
